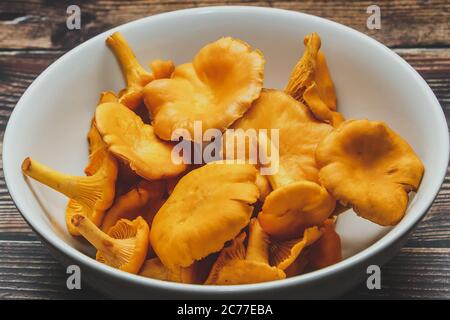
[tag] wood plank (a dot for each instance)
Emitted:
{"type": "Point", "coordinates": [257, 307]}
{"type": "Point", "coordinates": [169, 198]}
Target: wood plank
{"type": "Point", "coordinates": [17, 71]}
{"type": "Point", "coordinates": [28, 271]}
{"type": "Point", "coordinates": [42, 24]}
{"type": "Point", "coordinates": [434, 66]}
{"type": "Point", "coordinates": [415, 273]}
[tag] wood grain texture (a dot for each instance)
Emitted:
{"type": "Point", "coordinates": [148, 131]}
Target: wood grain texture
{"type": "Point", "coordinates": [415, 273]}
{"type": "Point", "coordinates": [27, 271]}
{"type": "Point", "coordinates": [33, 35]}
{"type": "Point", "coordinates": [42, 24]}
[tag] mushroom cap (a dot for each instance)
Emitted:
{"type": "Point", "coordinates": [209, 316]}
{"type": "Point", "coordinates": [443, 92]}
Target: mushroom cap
{"type": "Point", "coordinates": [217, 88]}
{"type": "Point", "coordinates": [284, 253]}
{"type": "Point", "coordinates": [290, 209]}
{"type": "Point", "coordinates": [208, 207]}
{"type": "Point", "coordinates": [129, 138]}
{"type": "Point", "coordinates": [137, 202]}
{"type": "Point", "coordinates": [131, 257]}
{"type": "Point", "coordinates": [367, 165]}
{"type": "Point", "coordinates": [299, 131]}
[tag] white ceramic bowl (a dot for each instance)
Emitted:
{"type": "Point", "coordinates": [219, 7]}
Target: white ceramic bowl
{"type": "Point", "coordinates": [51, 120]}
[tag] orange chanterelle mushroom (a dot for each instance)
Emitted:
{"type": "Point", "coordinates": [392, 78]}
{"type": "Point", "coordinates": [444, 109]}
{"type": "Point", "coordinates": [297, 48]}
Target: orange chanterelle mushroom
{"type": "Point", "coordinates": [236, 265]}
{"type": "Point", "coordinates": [311, 82]}
{"type": "Point", "coordinates": [124, 246]}
{"type": "Point", "coordinates": [90, 196]}
{"type": "Point", "coordinates": [136, 76]}
{"type": "Point", "coordinates": [208, 207]}
{"type": "Point", "coordinates": [130, 139]}
{"type": "Point", "coordinates": [217, 88]}
{"type": "Point", "coordinates": [366, 165]}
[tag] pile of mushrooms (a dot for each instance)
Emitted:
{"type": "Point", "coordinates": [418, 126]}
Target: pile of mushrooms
{"type": "Point", "coordinates": [224, 222]}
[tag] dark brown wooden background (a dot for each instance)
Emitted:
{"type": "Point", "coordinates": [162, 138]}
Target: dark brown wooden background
{"type": "Point", "coordinates": [33, 34]}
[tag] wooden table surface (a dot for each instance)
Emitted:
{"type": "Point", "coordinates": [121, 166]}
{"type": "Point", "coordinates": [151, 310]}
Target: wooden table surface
{"type": "Point", "coordinates": [33, 34]}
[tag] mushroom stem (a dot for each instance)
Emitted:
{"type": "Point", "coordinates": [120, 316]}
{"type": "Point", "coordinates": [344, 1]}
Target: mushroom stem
{"type": "Point", "coordinates": [134, 73]}
{"type": "Point", "coordinates": [83, 189]}
{"type": "Point", "coordinates": [258, 244]}
{"type": "Point", "coordinates": [100, 240]}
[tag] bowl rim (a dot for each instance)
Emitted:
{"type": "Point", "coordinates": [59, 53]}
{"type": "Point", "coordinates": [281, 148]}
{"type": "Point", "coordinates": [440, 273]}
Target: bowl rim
{"type": "Point", "coordinates": [396, 234]}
